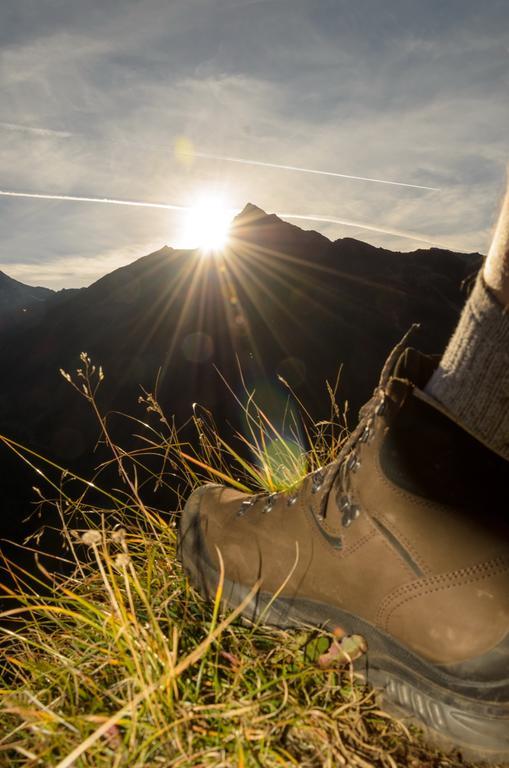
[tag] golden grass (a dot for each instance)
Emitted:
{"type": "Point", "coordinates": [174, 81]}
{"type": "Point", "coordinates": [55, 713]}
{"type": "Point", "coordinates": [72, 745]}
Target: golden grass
{"type": "Point", "coordinates": [121, 663]}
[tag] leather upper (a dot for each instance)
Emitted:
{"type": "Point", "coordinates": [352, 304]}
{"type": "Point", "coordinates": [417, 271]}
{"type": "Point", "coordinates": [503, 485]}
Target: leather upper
{"type": "Point", "coordinates": [422, 550]}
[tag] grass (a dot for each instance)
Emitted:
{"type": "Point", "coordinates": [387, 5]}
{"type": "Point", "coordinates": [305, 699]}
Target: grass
{"type": "Point", "coordinates": [121, 663]}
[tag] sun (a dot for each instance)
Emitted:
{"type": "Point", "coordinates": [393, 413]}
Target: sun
{"type": "Point", "coordinates": [207, 225]}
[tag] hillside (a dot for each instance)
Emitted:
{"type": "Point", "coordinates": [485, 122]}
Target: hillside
{"type": "Point", "coordinates": [281, 301]}
{"type": "Point", "coordinates": [16, 297]}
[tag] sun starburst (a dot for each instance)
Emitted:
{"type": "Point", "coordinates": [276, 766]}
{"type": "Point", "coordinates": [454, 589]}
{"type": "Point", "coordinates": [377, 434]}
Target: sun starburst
{"type": "Point", "coordinates": [207, 224]}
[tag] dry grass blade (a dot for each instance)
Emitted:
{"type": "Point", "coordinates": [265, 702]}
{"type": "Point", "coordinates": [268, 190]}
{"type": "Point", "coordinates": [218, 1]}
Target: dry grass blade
{"type": "Point", "coordinates": [192, 658]}
{"type": "Point", "coordinates": [120, 663]}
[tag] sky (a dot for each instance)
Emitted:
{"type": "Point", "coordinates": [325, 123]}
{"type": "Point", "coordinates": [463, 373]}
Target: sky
{"type": "Point", "coordinates": [98, 98]}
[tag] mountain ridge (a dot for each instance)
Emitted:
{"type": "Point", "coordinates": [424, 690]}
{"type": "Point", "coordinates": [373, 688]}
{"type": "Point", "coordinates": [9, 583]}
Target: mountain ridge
{"type": "Point", "coordinates": [16, 296]}
{"type": "Point", "coordinates": [280, 301]}
{"type": "Point", "coordinates": [253, 219]}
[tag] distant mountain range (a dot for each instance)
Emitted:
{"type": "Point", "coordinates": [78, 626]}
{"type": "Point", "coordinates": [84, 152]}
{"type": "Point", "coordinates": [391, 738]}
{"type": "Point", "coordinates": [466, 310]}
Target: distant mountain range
{"type": "Point", "coordinates": [280, 301]}
{"type": "Point", "coordinates": [16, 296]}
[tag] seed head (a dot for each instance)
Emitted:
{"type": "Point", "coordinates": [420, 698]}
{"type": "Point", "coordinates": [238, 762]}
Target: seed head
{"type": "Point", "coordinates": [91, 537]}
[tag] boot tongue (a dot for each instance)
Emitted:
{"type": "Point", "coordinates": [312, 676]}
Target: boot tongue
{"type": "Point", "coordinates": [408, 364]}
{"type": "Point", "coordinates": [413, 366]}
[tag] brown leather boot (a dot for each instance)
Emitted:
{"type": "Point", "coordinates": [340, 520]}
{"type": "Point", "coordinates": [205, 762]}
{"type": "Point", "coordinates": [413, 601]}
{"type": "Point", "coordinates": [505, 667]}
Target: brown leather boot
{"type": "Point", "coordinates": [403, 540]}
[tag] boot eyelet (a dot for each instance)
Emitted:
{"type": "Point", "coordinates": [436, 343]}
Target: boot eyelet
{"type": "Point", "coordinates": [353, 463]}
{"type": "Point", "coordinates": [317, 481]}
{"type": "Point", "coordinates": [270, 503]}
{"type": "Point", "coordinates": [365, 435]}
{"type": "Point", "coordinates": [245, 507]}
{"type": "Point", "coordinates": [350, 515]}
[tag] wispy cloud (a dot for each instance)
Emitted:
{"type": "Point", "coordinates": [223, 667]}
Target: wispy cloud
{"type": "Point", "coordinates": [73, 271]}
{"type": "Point", "coordinates": [35, 131]}
{"type": "Point", "coordinates": [93, 101]}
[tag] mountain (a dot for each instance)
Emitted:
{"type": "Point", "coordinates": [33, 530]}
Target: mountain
{"type": "Point", "coordinates": [280, 301]}
{"type": "Point", "coordinates": [16, 297]}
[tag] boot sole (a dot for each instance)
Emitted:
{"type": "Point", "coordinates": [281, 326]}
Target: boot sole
{"type": "Point", "coordinates": [455, 713]}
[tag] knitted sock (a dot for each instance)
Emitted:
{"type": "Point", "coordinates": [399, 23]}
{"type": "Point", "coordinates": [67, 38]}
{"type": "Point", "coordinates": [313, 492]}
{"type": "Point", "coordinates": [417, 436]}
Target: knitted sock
{"type": "Point", "coordinates": [472, 379]}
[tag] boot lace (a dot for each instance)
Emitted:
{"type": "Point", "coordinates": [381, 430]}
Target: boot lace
{"type": "Point", "coordinates": [336, 476]}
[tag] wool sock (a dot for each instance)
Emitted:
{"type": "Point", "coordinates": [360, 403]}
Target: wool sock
{"type": "Point", "coordinates": [472, 378]}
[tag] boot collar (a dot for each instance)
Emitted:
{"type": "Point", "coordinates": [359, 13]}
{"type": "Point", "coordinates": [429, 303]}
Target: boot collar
{"type": "Point", "coordinates": [408, 364]}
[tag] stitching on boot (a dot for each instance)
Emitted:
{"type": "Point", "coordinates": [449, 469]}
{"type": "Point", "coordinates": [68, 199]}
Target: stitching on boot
{"type": "Point", "coordinates": [423, 564]}
{"type": "Point", "coordinates": [349, 550]}
{"type": "Point", "coordinates": [405, 542]}
{"type": "Point", "coordinates": [442, 582]}
{"type": "Point", "coordinates": [397, 546]}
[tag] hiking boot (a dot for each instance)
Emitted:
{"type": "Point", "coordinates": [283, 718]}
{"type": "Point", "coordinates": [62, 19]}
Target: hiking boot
{"type": "Point", "coordinates": [404, 539]}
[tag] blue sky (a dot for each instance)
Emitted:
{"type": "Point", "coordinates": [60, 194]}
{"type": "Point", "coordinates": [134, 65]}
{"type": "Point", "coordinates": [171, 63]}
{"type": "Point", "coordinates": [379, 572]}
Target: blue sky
{"type": "Point", "coordinates": [94, 96]}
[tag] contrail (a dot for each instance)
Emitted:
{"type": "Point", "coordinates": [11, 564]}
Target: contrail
{"type": "Point", "coordinates": [108, 200]}
{"type": "Point", "coordinates": [234, 211]}
{"type": "Point", "coordinates": [37, 131]}
{"type": "Point", "coordinates": [227, 158]}
{"type": "Point", "coordinates": [347, 223]}
{"type": "Point", "coordinates": [244, 161]}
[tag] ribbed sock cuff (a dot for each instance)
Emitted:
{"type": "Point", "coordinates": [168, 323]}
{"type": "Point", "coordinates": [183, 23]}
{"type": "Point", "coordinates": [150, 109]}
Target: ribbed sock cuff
{"type": "Point", "coordinates": [472, 379]}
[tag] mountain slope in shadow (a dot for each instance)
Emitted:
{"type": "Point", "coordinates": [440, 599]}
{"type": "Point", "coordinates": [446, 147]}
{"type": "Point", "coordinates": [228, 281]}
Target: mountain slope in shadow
{"type": "Point", "coordinates": [16, 298]}
{"type": "Point", "coordinates": [279, 301]}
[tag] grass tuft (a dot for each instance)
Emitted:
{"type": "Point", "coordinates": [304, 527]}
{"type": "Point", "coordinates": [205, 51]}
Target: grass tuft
{"type": "Point", "coordinates": [119, 662]}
